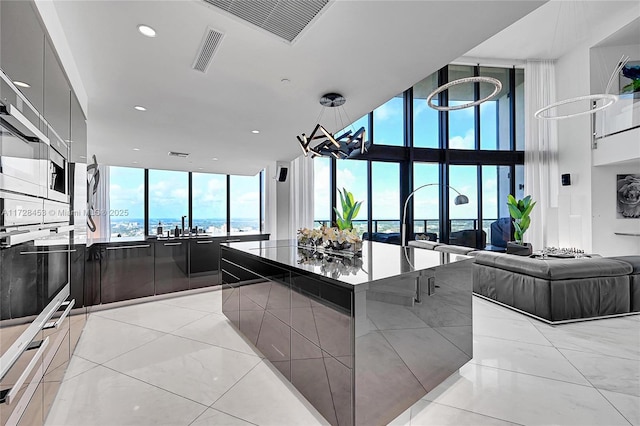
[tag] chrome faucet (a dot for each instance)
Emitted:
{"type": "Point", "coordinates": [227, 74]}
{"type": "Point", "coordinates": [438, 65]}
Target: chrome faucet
{"type": "Point", "coordinates": [183, 218]}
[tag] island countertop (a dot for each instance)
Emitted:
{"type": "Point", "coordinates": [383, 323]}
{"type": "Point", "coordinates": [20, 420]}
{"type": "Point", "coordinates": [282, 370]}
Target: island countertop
{"type": "Point", "coordinates": [378, 261]}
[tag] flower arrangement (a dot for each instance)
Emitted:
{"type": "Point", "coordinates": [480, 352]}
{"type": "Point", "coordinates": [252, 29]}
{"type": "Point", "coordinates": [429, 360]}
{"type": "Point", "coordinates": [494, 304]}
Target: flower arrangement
{"type": "Point", "coordinates": [332, 238]}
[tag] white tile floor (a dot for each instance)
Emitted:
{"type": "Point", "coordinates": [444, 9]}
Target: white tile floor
{"type": "Point", "coordinates": [180, 362]}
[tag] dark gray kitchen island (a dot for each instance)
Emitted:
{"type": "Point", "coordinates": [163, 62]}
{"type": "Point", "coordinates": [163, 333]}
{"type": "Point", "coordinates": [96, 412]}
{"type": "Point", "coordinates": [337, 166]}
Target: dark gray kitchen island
{"type": "Point", "coordinates": [362, 338]}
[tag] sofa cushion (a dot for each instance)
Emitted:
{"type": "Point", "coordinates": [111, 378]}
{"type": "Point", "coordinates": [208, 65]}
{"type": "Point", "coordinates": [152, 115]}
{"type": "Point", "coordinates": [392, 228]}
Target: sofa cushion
{"type": "Point", "coordinates": [634, 261]}
{"type": "Point", "coordinates": [556, 269]}
{"type": "Point", "coordinates": [449, 248]}
{"type": "Point", "coordinates": [429, 245]}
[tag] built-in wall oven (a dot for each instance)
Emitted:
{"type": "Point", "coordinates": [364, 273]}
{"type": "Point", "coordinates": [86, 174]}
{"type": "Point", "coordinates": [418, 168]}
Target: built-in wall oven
{"type": "Point", "coordinates": [35, 237]}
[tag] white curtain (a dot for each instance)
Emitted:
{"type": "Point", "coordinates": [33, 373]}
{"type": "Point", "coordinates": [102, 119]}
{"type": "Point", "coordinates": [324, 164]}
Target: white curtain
{"type": "Point", "coordinates": [541, 149]}
{"type": "Point", "coordinates": [301, 195]}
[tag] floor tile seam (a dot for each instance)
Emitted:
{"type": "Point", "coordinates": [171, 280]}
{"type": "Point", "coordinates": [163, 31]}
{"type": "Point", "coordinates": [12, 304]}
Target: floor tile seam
{"type": "Point", "coordinates": [136, 305]}
{"type": "Point", "coordinates": [234, 385]}
{"type": "Point", "coordinates": [584, 351]}
{"type": "Point", "coordinates": [459, 348]}
{"type": "Point", "coordinates": [153, 329]}
{"type": "Point", "coordinates": [405, 328]}
{"type": "Point", "coordinates": [536, 375]}
{"type": "Point", "coordinates": [65, 378]}
{"type": "Point", "coordinates": [403, 361]}
{"type": "Point", "coordinates": [512, 340]}
{"type": "Point", "coordinates": [500, 317]}
{"type": "Point", "coordinates": [214, 345]}
{"type": "Point", "coordinates": [461, 409]}
{"type": "Point", "coordinates": [223, 412]}
{"type": "Point", "coordinates": [613, 405]}
{"type": "Point", "coordinates": [191, 309]}
{"type": "Point", "coordinates": [130, 350]}
{"type": "Point", "coordinates": [155, 386]}
{"type": "Point", "coordinates": [198, 416]}
{"type": "Point", "coordinates": [538, 331]}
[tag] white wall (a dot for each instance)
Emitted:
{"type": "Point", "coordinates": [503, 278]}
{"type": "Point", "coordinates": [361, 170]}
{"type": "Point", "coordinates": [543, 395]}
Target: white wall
{"type": "Point", "coordinates": [586, 212]}
{"type": "Point", "coordinates": [605, 223]}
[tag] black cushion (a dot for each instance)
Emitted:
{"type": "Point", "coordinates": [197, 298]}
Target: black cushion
{"type": "Point", "coordinates": [634, 261]}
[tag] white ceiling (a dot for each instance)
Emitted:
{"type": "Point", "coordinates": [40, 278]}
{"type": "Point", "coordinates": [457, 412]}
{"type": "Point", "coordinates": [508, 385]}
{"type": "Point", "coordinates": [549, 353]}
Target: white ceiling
{"type": "Point", "coordinates": [367, 50]}
{"type": "Point", "coordinates": [555, 28]}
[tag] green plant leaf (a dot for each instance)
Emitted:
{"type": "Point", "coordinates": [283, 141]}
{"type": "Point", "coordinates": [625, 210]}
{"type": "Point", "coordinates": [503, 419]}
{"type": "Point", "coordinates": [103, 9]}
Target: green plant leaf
{"type": "Point", "coordinates": [524, 224]}
{"type": "Point", "coordinates": [514, 211]}
{"type": "Point", "coordinates": [528, 209]}
{"type": "Point", "coordinates": [357, 209]}
{"type": "Point", "coordinates": [341, 200]}
{"type": "Point", "coordinates": [511, 200]}
{"type": "Point", "coordinates": [338, 214]}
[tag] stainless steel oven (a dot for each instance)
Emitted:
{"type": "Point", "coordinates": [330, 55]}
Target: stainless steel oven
{"type": "Point", "coordinates": [23, 162]}
{"type": "Point", "coordinates": [57, 185]}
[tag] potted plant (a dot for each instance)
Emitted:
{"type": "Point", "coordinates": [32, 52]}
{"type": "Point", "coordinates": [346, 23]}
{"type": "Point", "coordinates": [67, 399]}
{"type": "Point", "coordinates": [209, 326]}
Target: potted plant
{"type": "Point", "coordinates": [520, 211]}
{"type": "Point", "coordinates": [350, 210]}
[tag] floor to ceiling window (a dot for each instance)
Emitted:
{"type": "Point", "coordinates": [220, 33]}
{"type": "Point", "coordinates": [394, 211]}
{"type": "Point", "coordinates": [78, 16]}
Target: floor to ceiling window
{"type": "Point", "coordinates": [388, 121]}
{"type": "Point", "coordinates": [244, 208]}
{"type": "Point", "coordinates": [476, 150]}
{"type": "Point", "coordinates": [426, 201]}
{"type": "Point", "coordinates": [321, 191]}
{"type": "Point", "coordinates": [352, 175]}
{"type": "Point", "coordinates": [168, 199]}
{"type": "Point", "coordinates": [209, 201]}
{"type": "Point", "coordinates": [126, 202]}
{"type": "Point", "coordinates": [385, 196]}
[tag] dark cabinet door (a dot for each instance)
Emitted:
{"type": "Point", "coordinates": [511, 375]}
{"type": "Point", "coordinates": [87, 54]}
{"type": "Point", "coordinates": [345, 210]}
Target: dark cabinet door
{"type": "Point", "coordinates": [203, 262]}
{"type": "Point", "coordinates": [126, 272]}
{"type": "Point", "coordinates": [78, 133]}
{"type": "Point", "coordinates": [57, 100]}
{"type": "Point", "coordinates": [171, 266]}
{"type": "Point", "coordinates": [22, 49]}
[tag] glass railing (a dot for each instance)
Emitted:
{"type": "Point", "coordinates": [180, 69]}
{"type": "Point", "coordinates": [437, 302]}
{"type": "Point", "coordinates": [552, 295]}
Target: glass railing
{"type": "Point", "coordinates": [619, 117]}
{"type": "Point", "coordinates": [420, 226]}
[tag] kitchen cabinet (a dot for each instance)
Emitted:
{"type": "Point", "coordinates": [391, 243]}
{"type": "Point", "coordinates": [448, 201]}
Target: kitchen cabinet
{"type": "Point", "coordinates": [203, 262]}
{"type": "Point", "coordinates": [22, 57]}
{"type": "Point", "coordinates": [171, 266]}
{"type": "Point", "coordinates": [78, 133]}
{"type": "Point", "coordinates": [126, 272]}
{"type": "Point", "coordinates": [22, 49]}
{"type": "Point", "coordinates": [57, 100]}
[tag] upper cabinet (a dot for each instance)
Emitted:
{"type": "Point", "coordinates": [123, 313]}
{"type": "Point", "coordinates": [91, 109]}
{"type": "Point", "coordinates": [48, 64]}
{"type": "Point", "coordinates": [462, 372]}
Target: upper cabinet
{"type": "Point", "coordinates": [57, 99]}
{"type": "Point", "coordinates": [78, 132]}
{"type": "Point", "coordinates": [22, 49]}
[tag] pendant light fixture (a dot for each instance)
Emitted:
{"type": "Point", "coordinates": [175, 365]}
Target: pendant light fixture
{"type": "Point", "coordinates": [348, 144]}
{"type": "Point", "coordinates": [477, 79]}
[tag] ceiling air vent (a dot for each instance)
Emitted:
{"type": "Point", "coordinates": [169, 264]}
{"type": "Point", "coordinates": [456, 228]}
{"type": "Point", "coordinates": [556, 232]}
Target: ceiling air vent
{"type": "Point", "coordinates": [178, 154]}
{"type": "Point", "coordinates": [284, 18]}
{"type": "Point", "coordinates": [208, 47]}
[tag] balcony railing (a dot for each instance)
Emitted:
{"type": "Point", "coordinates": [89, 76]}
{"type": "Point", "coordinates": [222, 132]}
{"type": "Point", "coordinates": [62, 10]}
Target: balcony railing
{"type": "Point", "coordinates": [419, 225]}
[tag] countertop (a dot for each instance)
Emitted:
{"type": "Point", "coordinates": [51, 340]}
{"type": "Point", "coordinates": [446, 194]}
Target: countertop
{"type": "Point", "coordinates": [379, 261]}
{"type": "Point", "coordinates": [153, 238]}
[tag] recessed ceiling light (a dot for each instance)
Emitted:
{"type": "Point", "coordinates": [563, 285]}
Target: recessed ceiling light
{"type": "Point", "coordinates": [136, 149]}
{"type": "Point", "coordinates": [139, 108]}
{"type": "Point", "coordinates": [215, 158]}
{"type": "Point", "coordinates": [255, 131]}
{"type": "Point", "coordinates": [82, 156]}
{"type": "Point", "coordinates": [134, 162]}
{"type": "Point", "coordinates": [146, 30]}
{"type": "Point", "coordinates": [21, 84]}
{"type": "Point", "coordinates": [199, 168]}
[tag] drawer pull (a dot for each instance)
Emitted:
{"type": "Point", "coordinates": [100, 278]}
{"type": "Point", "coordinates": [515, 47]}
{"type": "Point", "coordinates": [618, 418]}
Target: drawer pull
{"type": "Point", "coordinates": [56, 323]}
{"type": "Point", "coordinates": [204, 242]}
{"type": "Point", "coordinates": [233, 241]}
{"type": "Point", "coordinates": [172, 244]}
{"type": "Point", "coordinates": [48, 252]}
{"type": "Point", "coordinates": [10, 395]}
{"type": "Point", "coordinates": [129, 247]}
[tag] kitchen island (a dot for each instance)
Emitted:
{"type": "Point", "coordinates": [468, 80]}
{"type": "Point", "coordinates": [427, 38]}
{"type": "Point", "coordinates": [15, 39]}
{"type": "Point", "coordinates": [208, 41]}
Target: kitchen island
{"type": "Point", "coordinates": [361, 337]}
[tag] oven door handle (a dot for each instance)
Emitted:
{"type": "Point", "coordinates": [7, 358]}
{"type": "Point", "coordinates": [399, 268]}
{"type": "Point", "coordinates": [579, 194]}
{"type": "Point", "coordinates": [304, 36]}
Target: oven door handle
{"type": "Point", "coordinates": [56, 323]}
{"type": "Point", "coordinates": [18, 385]}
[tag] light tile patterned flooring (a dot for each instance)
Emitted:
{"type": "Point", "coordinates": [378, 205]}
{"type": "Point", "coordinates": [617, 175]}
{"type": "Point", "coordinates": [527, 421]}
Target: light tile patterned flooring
{"type": "Point", "coordinates": [180, 362]}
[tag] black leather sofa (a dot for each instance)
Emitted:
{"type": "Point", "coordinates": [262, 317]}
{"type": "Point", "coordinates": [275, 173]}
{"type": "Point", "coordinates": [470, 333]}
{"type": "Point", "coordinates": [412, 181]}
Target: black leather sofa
{"type": "Point", "coordinates": [559, 290]}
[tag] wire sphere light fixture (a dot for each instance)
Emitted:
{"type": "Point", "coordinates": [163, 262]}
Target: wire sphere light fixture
{"type": "Point", "coordinates": [346, 145]}
{"type": "Point", "coordinates": [478, 79]}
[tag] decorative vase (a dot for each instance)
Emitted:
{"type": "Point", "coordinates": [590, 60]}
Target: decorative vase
{"type": "Point", "coordinates": [519, 249]}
